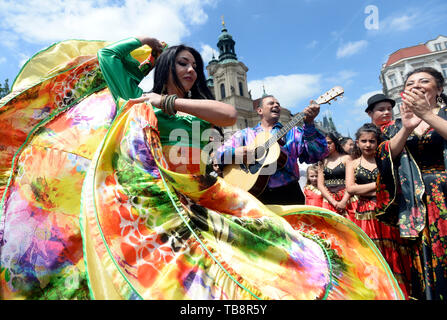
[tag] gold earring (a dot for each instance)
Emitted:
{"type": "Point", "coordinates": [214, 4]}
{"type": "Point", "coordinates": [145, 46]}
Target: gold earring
{"type": "Point", "coordinates": [440, 102]}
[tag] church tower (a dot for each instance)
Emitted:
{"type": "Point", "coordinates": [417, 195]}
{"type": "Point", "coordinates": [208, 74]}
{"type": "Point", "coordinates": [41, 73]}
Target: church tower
{"type": "Point", "coordinates": [227, 79]}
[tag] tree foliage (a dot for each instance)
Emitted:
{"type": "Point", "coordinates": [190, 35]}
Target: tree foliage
{"type": "Point", "coordinates": [4, 88]}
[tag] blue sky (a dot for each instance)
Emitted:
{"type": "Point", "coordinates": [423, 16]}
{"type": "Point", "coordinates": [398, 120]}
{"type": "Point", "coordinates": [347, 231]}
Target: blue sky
{"type": "Point", "coordinates": [297, 49]}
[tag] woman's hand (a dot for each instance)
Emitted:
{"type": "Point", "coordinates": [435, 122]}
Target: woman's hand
{"type": "Point", "coordinates": [417, 102]}
{"type": "Point", "coordinates": [153, 98]}
{"type": "Point", "coordinates": [333, 202]}
{"type": "Point", "coordinates": [409, 120]}
{"type": "Point", "coordinates": [341, 205]}
{"type": "Point", "coordinates": [154, 43]}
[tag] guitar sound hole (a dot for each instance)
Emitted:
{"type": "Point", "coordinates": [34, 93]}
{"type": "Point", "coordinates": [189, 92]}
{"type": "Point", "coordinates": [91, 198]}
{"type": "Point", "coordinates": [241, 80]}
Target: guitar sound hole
{"type": "Point", "coordinates": [259, 162]}
{"type": "Point", "coordinates": [259, 152]}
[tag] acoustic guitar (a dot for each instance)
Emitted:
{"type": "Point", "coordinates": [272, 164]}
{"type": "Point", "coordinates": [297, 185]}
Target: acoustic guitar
{"type": "Point", "coordinates": [268, 157]}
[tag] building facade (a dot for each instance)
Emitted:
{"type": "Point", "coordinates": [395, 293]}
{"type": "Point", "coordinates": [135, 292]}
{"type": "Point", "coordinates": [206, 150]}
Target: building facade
{"type": "Point", "coordinates": [433, 53]}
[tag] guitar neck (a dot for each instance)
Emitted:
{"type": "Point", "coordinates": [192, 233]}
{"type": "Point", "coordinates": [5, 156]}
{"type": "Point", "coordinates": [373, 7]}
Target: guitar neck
{"type": "Point", "coordinates": [297, 119]}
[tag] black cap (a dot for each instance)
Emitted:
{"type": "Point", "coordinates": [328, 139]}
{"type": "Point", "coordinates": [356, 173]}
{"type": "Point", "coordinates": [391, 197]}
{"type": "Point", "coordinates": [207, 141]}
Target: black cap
{"type": "Point", "coordinates": [378, 98]}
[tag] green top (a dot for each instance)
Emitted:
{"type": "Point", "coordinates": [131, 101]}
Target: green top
{"type": "Point", "coordinates": [120, 70]}
{"type": "Point", "coordinates": [122, 75]}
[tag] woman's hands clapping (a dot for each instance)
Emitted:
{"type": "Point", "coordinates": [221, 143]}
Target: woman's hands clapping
{"type": "Point", "coordinates": [417, 102]}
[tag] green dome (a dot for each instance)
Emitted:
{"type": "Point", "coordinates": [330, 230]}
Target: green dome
{"type": "Point", "coordinates": [226, 47]}
{"type": "Point", "coordinates": [225, 35]}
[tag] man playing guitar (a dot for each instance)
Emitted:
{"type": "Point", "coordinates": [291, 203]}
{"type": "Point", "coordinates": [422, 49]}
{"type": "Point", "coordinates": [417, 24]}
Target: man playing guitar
{"type": "Point", "coordinates": [305, 143]}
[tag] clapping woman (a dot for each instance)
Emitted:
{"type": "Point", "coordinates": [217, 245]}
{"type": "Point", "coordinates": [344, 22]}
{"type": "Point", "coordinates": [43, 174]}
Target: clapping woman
{"type": "Point", "coordinates": [412, 185]}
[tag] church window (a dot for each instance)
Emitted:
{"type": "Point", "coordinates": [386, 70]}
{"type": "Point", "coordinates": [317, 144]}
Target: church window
{"type": "Point", "coordinates": [241, 89]}
{"type": "Point", "coordinates": [222, 90]}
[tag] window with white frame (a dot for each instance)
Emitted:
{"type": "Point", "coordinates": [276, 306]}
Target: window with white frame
{"type": "Point", "coordinates": [438, 47]}
{"type": "Point", "coordinates": [393, 81]}
{"type": "Point", "coordinates": [444, 69]}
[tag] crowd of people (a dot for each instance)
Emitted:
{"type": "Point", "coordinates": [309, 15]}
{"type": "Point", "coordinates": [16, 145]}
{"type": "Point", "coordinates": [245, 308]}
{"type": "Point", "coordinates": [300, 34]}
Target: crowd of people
{"type": "Point", "coordinates": [391, 182]}
{"type": "Point", "coordinates": [106, 195]}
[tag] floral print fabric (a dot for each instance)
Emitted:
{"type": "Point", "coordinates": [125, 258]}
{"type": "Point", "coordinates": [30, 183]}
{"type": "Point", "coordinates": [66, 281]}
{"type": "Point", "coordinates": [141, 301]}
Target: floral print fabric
{"type": "Point", "coordinates": [50, 127]}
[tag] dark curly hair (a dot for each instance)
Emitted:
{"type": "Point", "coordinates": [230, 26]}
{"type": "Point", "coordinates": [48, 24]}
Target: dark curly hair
{"type": "Point", "coordinates": [336, 140]}
{"type": "Point", "coordinates": [366, 128]}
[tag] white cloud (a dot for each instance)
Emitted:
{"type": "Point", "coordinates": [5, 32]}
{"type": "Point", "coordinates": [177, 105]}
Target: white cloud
{"type": "Point", "coordinates": [312, 44]}
{"type": "Point", "coordinates": [206, 51]}
{"type": "Point", "coordinates": [342, 78]}
{"type": "Point", "coordinates": [351, 48]}
{"type": "Point", "coordinates": [54, 20]}
{"type": "Point", "coordinates": [8, 39]}
{"type": "Point", "coordinates": [402, 23]}
{"type": "Point", "coordinates": [410, 18]}
{"type": "Point", "coordinates": [293, 91]}
{"type": "Point", "coordinates": [361, 102]}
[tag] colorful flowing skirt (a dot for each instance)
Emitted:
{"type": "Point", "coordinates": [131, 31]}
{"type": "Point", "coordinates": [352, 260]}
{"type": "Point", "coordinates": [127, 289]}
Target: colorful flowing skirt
{"type": "Point", "coordinates": [51, 124]}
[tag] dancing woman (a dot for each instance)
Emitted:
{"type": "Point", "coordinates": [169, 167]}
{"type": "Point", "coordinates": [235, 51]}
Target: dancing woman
{"type": "Point", "coordinates": [180, 94]}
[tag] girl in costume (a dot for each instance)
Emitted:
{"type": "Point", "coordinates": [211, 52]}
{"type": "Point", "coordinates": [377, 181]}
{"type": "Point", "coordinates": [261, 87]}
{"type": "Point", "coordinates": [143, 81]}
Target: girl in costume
{"type": "Point", "coordinates": [361, 175]}
{"type": "Point", "coordinates": [412, 187]}
{"type": "Point", "coordinates": [311, 192]}
{"type": "Point", "coordinates": [154, 227]}
{"type": "Point", "coordinates": [331, 178]}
